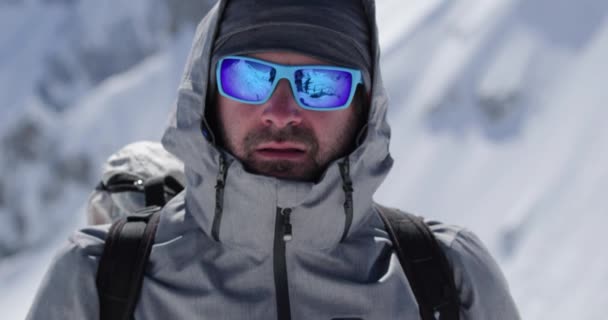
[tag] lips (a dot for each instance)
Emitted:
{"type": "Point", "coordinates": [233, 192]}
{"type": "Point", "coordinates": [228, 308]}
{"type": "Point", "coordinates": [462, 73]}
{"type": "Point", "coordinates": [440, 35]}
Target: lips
{"type": "Point", "coordinates": [281, 150]}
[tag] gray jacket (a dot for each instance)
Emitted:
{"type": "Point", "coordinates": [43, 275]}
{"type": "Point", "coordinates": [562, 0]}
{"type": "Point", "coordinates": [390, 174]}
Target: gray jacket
{"type": "Point", "coordinates": [233, 263]}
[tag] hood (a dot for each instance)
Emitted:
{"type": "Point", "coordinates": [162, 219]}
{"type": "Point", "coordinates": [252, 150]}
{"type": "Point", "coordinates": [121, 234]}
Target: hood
{"type": "Point", "coordinates": [239, 208]}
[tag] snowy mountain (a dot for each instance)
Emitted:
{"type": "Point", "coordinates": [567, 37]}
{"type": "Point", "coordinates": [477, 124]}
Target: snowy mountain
{"type": "Point", "coordinates": [497, 111]}
{"type": "Point", "coordinates": [59, 61]}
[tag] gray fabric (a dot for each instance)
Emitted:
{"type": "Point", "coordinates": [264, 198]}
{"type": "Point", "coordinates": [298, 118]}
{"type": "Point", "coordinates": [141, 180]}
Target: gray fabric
{"type": "Point", "coordinates": [336, 31]}
{"type": "Point", "coordinates": [192, 276]}
{"type": "Point", "coordinates": [143, 159]}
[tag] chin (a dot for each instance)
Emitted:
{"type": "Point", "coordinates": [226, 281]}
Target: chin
{"type": "Point", "coordinates": [285, 171]}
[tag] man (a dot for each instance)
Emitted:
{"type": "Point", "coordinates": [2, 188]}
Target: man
{"type": "Point", "coordinates": [277, 219]}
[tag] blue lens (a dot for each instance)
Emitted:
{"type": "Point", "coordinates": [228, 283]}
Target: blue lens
{"type": "Point", "coordinates": [247, 80]}
{"type": "Point", "coordinates": [323, 88]}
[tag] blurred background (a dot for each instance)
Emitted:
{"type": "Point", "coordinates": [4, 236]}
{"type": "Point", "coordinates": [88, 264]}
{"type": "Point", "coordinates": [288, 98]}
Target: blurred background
{"type": "Point", "coordinates": [496, 111]}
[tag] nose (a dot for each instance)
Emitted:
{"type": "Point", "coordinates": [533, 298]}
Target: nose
{"type": "Point", "coordinates": [282, 110]}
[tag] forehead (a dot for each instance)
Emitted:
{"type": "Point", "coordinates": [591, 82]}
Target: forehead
{"type": "Point", "coordinates": [288, 58]}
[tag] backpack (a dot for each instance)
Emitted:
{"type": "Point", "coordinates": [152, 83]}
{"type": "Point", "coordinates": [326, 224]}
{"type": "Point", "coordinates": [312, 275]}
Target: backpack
{"type": "Point", "coordinates": [136, 171]}
{"type": "Point", "coordinates": [129, 242]}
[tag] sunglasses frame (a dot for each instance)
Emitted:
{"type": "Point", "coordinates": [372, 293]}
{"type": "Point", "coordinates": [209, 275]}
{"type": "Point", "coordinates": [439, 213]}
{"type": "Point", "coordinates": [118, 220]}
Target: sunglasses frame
{"type": "Point", "coordinates": [288, 72]}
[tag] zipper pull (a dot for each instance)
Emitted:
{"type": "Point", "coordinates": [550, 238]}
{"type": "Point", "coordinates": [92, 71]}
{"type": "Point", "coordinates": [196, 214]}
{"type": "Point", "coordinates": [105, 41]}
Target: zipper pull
{"type": "Point", "coordinates": [287, 234]}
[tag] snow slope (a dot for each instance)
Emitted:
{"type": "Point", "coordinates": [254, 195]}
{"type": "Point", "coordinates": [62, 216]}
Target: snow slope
{"type": "Point", "coordinates": [499, 127]}
{"type": "Point", "coordinates": [497, 116]}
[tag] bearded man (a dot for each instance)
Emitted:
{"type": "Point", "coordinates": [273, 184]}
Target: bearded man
{"type": "Point", "coordinates": [281, 124]}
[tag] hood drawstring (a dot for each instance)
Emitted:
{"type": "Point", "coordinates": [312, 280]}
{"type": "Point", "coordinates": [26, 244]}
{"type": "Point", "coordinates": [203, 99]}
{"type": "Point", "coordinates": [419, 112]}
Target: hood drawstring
{"type": "Point", "coordinates": [219, 198]}
{"type": "Point", "coordinates": [347, 186]}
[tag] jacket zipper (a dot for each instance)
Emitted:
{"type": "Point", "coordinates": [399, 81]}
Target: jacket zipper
{"type": "Point", "coordinates": [282, 234]}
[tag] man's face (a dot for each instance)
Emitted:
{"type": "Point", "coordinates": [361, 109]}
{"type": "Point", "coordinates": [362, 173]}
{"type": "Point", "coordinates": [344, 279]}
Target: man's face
{"type": "Point", "coordinates": [281, 139]}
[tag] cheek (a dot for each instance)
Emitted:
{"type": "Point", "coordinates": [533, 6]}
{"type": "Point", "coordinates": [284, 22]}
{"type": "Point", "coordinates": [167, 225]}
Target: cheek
{"type": "Point", "coordinates": [338, 120]}
{"type": "Point", "coordinates": [230, 114]}
{"type": "Point", "coordinates": [227, 116]}
{"type": "Point", "coordinates": [330, 127]}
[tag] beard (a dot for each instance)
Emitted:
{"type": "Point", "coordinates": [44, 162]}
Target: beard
{"type": "Point", "coordinates": [318, 153]}
{"type": "Point", "coordinates": [308, 169]}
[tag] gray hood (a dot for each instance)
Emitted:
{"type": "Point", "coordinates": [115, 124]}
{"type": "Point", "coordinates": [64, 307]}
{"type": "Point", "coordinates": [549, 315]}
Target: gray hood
{"type": "Point", "coordinates": [250, 201]}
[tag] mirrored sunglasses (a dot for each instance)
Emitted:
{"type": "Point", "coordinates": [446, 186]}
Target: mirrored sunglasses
{"type": "Point", "coordinates": [315, 87]}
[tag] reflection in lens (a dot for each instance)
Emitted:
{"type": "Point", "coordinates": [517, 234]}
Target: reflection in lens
{"type": "Point", "coordinates": [246, 80]}
{"type": "Point", "coordinates": [321, 88]}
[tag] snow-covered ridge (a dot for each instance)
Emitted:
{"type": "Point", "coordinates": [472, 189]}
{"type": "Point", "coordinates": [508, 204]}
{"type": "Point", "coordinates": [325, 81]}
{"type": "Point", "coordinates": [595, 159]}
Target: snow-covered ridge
{"type": "Point", "coordinates": [59, 58]}
{"type": "Point", "coordinates": [497, 115]}
{"type": "Point", "coordinates": [498, 109]}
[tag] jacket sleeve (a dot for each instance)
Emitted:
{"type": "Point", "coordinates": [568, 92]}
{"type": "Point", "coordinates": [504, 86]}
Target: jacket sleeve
{"type": "Point", "coordinates": [68, 289]}
{"type": "Point", "coordinates": [483, 290]}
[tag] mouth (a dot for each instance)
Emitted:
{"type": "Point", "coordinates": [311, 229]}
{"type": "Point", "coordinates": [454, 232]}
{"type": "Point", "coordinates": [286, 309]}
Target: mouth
{"type": "Point", "coordinates": [281, 151]}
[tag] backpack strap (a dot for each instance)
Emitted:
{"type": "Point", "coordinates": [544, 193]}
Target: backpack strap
{"type": "Point", "coordinates": [154, 191]}
{"type": "Point", "coordinates": [158, 191]}
{"type": "Point", "coordinates": [424, 262]}
{"type": "Point", "coordinates": [123, 262]}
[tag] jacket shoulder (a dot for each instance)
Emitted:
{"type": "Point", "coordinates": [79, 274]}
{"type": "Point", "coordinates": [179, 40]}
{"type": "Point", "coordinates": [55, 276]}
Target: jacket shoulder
{"type": "Point", "coordinates": [68, 288]}
{"type": "Point", "coordinates": [479, 281]}
{"type": "Point", "coordinates": [482, 288]}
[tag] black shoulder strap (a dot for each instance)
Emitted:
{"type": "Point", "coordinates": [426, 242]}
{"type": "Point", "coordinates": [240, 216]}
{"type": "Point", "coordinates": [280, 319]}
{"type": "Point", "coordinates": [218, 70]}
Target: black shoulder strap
{"type": "Point", "coordinates": [425, 264]}
{"type": "Point", "coordinates": [123, 262]}
{"type": "Point", "coordinates": [158, 191]}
